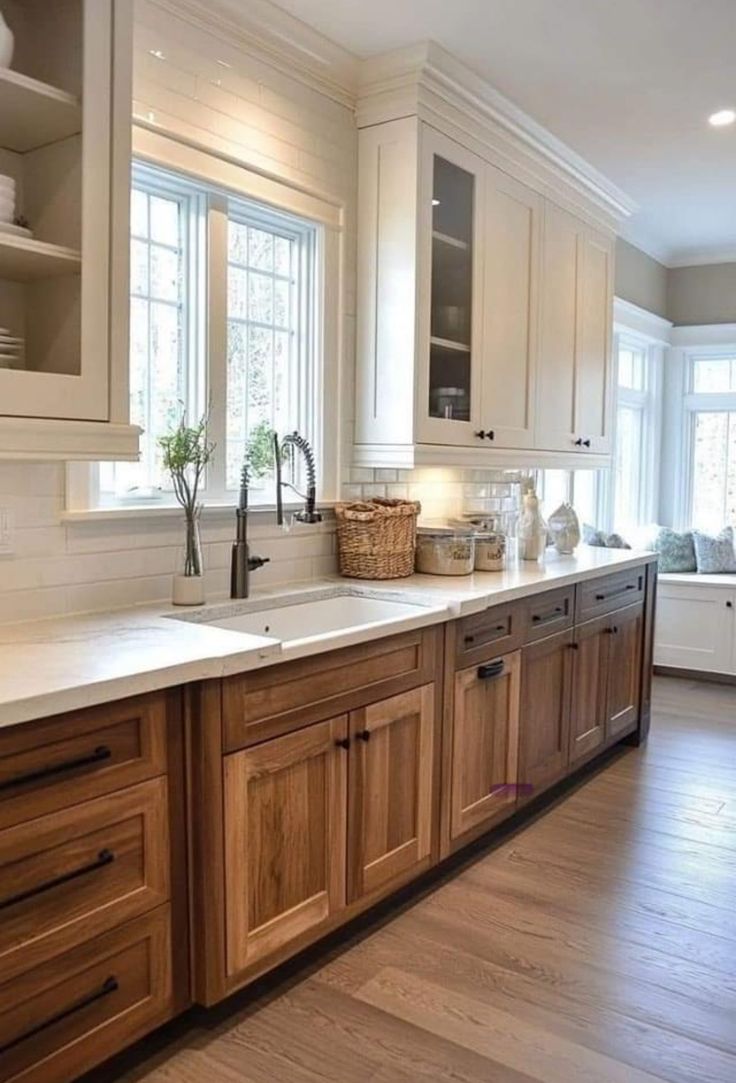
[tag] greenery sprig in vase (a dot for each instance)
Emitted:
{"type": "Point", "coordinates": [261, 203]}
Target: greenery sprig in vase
{"type": "Point", "coordinates": [186, 453]}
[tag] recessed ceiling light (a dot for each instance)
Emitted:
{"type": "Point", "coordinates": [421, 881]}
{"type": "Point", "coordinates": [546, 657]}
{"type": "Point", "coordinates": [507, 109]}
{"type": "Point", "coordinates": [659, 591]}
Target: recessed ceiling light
{"type": "Point", "coordinates": [722, 118]}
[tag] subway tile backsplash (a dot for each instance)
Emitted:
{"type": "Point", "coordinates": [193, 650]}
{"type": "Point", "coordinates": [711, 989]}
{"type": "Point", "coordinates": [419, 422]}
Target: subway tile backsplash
{"type": "Point", "coordinates": [70, 567]}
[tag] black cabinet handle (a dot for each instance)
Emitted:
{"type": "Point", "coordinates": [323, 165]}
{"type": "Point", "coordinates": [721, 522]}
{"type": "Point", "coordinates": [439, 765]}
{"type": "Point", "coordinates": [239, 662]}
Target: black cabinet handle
{"type": "Point", "coordinates": [579, 442]}
{"type": "Point", "coordinates": [612, 631]}
{"type": "Point", "coordinates": [469, 640]}
{"type": "Point", "coordinates": [364, 735]}
{"type": "Point", "coordinates": [98, 756]}
{"type": "Point", "coordinates": [110, 985]}
{"type": "Point", "coordinates": [342, 742]}
{"type": "Point", "coordinates": [491, 670]}
{"type": "Point", "coordinates": [615, 593]}
{"type": "Point", "coordinates": [729, 605]}
{"type": "Point", "coordinates": [539, 618]}
{"type": "Point", "coordinates": [105, 857]}
{"type": "Point", "coordinates": [488, 434]}
{"type": "Point", "coordinates": [573, 646]}
{"type": "Point", "coordinates": [586, 443]}
{"type": "Point", "coordinates": [480, 434]}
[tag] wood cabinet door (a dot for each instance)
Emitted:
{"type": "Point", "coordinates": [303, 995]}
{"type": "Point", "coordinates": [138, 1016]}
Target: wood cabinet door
{"type": "Point", "coordinates": [485, 744]}
{"type": "Point", "coordinates": [285, 805]}
{"type": "Point", "coordinates": [391, 789]}
{"type": "Point", "coordinates": [624, 669]}
{"type": "Point", "coordinates": [544, 739]}
{"type": "Point", "coordinates": [593, 354]}
{"type": "Point", "coordinates": [588, 704]}
{"type": "Point", "coordinates": [510, 306]}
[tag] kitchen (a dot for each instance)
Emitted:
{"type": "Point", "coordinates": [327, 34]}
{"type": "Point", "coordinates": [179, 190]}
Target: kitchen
{"type": "Point", "coordinates": [194, 796]}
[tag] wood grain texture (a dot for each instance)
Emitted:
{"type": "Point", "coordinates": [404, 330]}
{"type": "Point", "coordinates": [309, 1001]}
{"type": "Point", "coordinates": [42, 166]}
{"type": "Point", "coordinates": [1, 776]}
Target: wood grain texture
{"type": "Point", "coordinates": [544, 738]}
{"type": "Point", "coordinates": [485, 745]}
{"type": "Point", "coordinates": [392, 789]}
{"type": "Point", "coordinates": [595, 944]}
{"type": "Point", "coordinates": [285, 830]}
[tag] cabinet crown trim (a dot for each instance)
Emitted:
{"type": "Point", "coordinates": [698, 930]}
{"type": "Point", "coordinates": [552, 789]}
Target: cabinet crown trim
{"type": "Point", "coordinates": [413, 74]}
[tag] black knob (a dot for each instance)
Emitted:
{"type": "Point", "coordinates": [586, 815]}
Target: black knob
{"type": "Point", "coordinates": [491, 434]}
{"type": "Point", "coordinates": [343, 742]}
{"type": "Point", "coordinates": [729, 605]}
{"type": "Point", "coordinates": [364, 735]}
{"type": "Point", "coordinates": [579, 442]}
{"type": "Point", "coordinates": [481, 435]}
{"type": "Point", "coordinates": [586, 443]}
{"type": "Point", "coordinates": [574, 646]}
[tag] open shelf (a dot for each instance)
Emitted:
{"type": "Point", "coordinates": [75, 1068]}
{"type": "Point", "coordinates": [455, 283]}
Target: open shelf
{"type": "Point", "coordinates": [23, 259]}
{"type": "Point", "coordinates": [449, 344]}
{"type": "Point", "coordinates": [33, 113]}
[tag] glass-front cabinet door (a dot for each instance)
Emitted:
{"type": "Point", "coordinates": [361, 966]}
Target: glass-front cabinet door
{"type": "Point", "coordinates": [450, 220]}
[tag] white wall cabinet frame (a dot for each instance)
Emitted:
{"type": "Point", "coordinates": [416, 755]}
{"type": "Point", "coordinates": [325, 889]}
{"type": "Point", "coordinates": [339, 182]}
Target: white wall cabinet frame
{"type": "Point", "coordinates": [83, 414]}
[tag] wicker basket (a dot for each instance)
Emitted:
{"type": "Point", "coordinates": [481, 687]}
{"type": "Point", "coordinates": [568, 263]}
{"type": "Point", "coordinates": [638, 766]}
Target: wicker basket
{"type": "Point", "coordinates": [376, 539]}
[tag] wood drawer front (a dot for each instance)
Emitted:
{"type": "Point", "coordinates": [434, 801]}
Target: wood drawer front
{"type": "Point", "coordinates": [76, 1010]}
{"type": "Point", "coordinates": [273, 701]}
{"type": "Point", "coordinates": [599, 596]}
{"type": "Point", "coordinates": [548, 613]}
{"type": "Point", "coordinates": [500, 628]}
{"type": "Point", "coordinates": [57, 762]}
{"type": "Point", "coordinates": [67, 877]}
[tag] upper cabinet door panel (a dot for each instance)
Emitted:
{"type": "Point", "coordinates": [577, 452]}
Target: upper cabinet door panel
{"type": "Point", "coordinates": [510, 309]}
{"type": "Point", "coordinates": [450, 324]}
{"type": "Point", "coordinates": [593, 361]}
{"type": "Point", "coordinates": [556, 372]}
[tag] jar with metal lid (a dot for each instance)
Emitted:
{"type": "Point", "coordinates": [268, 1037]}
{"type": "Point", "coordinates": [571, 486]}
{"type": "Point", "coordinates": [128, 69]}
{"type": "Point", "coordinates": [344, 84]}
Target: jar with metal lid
{"type": "Point", "coordinates": [445, 550]}
{"type": "Point", "coordinates": [490, 551]}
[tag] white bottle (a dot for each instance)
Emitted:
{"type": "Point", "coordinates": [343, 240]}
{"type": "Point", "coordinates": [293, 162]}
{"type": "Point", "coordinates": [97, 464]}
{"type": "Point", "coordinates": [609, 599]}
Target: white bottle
{"type": "Point", "coordinates": [532, 529]}
{"type": "Point", "coordinates": [7, 41]}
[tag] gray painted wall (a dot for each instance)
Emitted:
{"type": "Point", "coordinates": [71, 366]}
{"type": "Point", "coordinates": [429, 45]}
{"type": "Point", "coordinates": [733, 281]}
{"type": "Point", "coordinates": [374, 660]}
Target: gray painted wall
{"type": "Point", "coordinates": [705, 294]}
{"type": "Point", "coordinates": [640, 279]}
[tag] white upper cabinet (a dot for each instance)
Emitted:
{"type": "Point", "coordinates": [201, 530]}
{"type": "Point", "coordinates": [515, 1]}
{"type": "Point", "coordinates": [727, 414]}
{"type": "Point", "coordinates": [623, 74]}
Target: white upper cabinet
{"type": "Point", "coordinates": [484, 308]}
{"type": "Point", "coordinates": [65, 141]}
{"type": "Point", "coordinates": [574, 373]}
{"type": "Point", "coordinates": [510, 301]}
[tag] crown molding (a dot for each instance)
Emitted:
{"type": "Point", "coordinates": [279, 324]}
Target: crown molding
{"type": "Point", "coordinates": [270, 34]}
{"type": "Point", "coordinates": [628, 317]}
{"type": "Point", "coordinates": [413, 79]}
{"type": "Point", "coordinates": [703, 257]}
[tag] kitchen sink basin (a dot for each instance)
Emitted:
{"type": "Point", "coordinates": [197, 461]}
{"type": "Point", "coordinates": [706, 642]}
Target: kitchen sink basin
{"type": "Point", "coordinates": [319, 620]}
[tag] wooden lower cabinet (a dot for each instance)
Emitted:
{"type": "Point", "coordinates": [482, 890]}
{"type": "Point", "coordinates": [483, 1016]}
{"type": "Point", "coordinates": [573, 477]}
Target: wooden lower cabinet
{"type": "Point", "coordinates": [391, 790]}
{"type": "Point", "coordinates": [546, 685]}
{"type": "Point", "coordinates": [588, 703]}
{"type": "Point", "coordinates": [63, 1017]}
{"type": "Point", "coordinates": [483, 770]}
{"type": "Point", "coordinates": [625, 661]}
{"type": "Point", "coordinates": [285, 816]}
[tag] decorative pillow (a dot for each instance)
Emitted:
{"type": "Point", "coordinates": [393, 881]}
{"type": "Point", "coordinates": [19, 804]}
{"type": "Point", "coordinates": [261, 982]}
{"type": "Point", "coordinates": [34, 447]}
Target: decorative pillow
{"type": "Point", "coordinates": [715, 555]}
{"type": "Point", "coordinates": [600, 540]}
{"type": "Point", "coordinates": [676, 551]}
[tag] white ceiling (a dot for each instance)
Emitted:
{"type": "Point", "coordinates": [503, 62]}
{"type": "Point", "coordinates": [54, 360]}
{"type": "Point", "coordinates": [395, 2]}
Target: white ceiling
{"type": "Point", "coordinates": [627, 84]}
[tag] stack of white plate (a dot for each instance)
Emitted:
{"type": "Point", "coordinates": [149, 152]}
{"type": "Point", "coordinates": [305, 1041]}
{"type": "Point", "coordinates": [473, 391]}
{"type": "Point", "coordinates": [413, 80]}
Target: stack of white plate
{"type": "Point", "coordinates": [7, 199]}
{"type": "Point", "coordinates": [12, 350]}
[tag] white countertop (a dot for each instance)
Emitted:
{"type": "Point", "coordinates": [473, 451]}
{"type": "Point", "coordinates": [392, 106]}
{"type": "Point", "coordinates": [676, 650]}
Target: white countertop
{"type": "Point", "coordinates": [51, 666]}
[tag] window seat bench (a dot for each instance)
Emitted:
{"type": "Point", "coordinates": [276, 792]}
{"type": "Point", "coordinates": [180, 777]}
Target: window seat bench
{"type": "Point", "coordinates": [695, 627]}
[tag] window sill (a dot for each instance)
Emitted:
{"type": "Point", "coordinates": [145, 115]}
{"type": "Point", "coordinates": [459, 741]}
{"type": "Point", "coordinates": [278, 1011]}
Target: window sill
{"type": "Point", "coordinates": [169, 511]}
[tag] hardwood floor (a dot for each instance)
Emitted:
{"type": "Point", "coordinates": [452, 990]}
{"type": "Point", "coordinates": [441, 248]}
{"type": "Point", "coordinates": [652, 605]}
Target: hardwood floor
{"type": "Point", "coordinates": [596, 945]}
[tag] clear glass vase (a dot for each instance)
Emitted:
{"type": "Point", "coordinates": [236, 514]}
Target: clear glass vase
{"type": "Point", "coordinates": [192, 563]}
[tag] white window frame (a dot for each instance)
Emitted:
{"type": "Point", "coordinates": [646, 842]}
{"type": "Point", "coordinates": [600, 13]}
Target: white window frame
{"type": "Point", "coordinates": [323, 398]}
{"type": "Point", "coordinates": [692, 344]}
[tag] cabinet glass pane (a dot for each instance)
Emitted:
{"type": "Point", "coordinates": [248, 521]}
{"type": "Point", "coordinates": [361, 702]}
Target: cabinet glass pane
{"type": "Point", "coordinates": [452, 280]}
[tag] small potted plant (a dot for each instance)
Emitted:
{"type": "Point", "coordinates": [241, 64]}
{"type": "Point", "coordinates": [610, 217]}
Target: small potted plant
{"type": "Point", "coordinates": [186, 453]}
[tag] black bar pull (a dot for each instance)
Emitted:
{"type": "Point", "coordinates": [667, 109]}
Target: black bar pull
{"type": "Point", "coordinates": [343, 742]}
{"type": "Point", "coordinates": [574, 646]}
{"type": "Point", "coordinates": [615, 593]}
{"type": "Point", "coordinates": [539, 618]}
{"type": "Point", "coordinates": [101, 753]}
{"type": "Point", "coordinates": [492, 669]}
{"type": "Point", "coordinates": [105, 857]}
{"type": "Point", "coordinates": [110, 985]}
{"type": "Point", "coordinates": [364, 735]}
